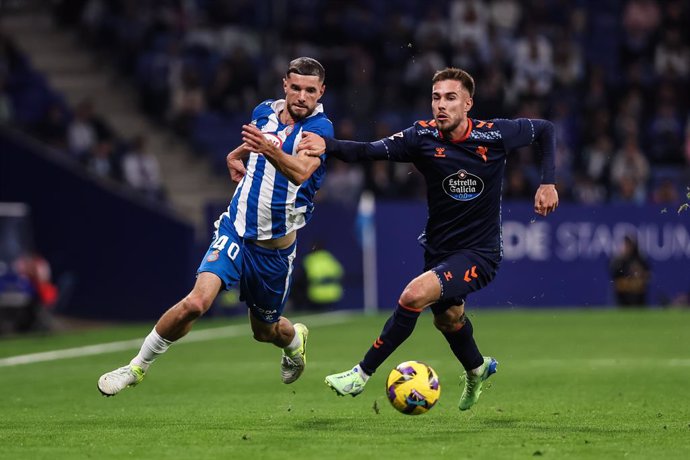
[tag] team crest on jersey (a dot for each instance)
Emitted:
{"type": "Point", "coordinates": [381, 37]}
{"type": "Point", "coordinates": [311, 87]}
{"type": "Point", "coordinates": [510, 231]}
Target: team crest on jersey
{"type": "Point", "coordinates": [273, 139]}
{"type": "Point", "coordinates": [482, 152]}
{"type": "Point", "coordinates": [213, 256]}
{"type": "Point", "coordinates": [463, 186]}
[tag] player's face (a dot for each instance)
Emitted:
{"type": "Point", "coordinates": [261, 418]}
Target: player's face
{"type": "Point", "coordinates": [302, 93]}
{"type": "Point", "coordinates": [450, 102]}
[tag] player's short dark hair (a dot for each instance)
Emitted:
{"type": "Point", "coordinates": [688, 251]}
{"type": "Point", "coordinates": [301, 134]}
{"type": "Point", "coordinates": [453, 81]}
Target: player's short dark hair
{"type": "Point", "coordinates": [306, 66]}
{"type": "Point", "coordinates": [452, 73]}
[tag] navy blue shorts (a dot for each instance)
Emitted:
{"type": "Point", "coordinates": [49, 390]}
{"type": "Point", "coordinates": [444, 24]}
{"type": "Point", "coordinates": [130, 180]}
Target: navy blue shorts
{"type": "Point", "coordinates": [460, 273]}
{"type": "Point", "coordinates": [264, 275]}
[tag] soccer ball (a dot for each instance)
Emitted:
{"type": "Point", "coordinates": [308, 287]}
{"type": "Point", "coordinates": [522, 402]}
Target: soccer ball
{"type": "Point", "coordinates": [413, 388]}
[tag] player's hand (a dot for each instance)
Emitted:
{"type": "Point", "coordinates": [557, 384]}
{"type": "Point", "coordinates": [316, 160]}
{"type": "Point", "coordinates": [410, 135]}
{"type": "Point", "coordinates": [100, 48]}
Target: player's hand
{"type": "Point", "coordinates": [236, 168]}
{"type": "Point", "coordinates": [255, 140]}
{"type": "Point", "coordinates": [311, 144]}
{"type": "Point", "coordinates": [546, 199]}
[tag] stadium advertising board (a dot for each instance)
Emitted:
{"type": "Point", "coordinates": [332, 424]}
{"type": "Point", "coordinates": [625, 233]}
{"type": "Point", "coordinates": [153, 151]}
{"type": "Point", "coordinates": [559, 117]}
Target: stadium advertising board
{"type": "Point", "coordinates": [562, 260]}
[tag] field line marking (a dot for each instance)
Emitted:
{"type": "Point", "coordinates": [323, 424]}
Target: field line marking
{"type": "Point", "coordinates": [324, 319]}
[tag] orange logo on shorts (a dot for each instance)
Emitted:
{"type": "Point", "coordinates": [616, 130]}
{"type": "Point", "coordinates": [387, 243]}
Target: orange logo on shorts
{"type": "Point", "coordinates": [448, 275]}
{"type": "Point", "coordinates": [471, 272]}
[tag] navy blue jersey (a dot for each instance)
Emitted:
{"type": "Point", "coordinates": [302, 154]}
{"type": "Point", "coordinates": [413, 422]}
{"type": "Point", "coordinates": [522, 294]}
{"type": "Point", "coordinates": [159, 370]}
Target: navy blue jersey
{"type": "Point", "coordinates": [464, 177]}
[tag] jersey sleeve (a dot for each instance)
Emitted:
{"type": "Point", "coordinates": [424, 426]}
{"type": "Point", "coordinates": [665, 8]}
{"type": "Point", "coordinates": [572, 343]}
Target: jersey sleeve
{"type": "Point", "coordinates": [522, 132]}
{"type": "Point", "coordinates": [398, 147]}
{"type": "Point", "coordinates": [261, 110]}
{"type": "Point", "coordinates": [324, 128]}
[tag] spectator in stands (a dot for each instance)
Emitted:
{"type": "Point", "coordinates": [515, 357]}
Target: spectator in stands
{"type": "Point", "coordinates": [666, 132]}
{"type": "Point", "coordinates": [641, 18]}
{"type": "Point", "coordinates": [344, 184]}
{"type": "Point", "coordinates": [141, 169]}
{"type": "Point", "coordinates": [505, 15]}
{"type": "Point", "coordinates": [102, 160]}
{"type": "Point", "coordinates": [631, 273]}
{"type": "Point", "coordinates": [567, 60]}
{"type": "Point", "coordinates": [36, 269]}
{"type": "Point", "coordinates": [587, 191]}
{"type": "Point", "coordinates": [629, 173]}
{"type": "Point", "coordinates": [672, 55]}
{"type": "Point", "coordinates": [597, 158]}
{"type": "Point", "coordinates": [86, 129]}
{"type": "Point", "coordinates": [666, 192]}
{"type": "Point", "coordinates": [187, 101]}
{"type": "Point", "coordinates": [468, 23]}
{"type": "Point", "coordinates": [433, 28]}
{"type": "Point", "coordinates": [533, 63]}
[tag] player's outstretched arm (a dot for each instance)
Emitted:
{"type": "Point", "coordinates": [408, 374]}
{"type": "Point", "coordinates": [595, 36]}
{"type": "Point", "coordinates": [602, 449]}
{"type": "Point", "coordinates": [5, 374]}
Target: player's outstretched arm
{"type": "Point", "coordinates": [546, 199]}
{"type": "Point", "coordinates": [296, 168]}
{"type": "Point", "coordinates": [396, 148]}
{"type": "Point", "coordinates": [235, 163]}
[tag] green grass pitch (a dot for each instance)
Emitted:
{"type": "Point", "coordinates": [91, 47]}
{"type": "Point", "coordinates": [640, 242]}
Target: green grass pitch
{"type": "Point", "coordinates": [578, 384]}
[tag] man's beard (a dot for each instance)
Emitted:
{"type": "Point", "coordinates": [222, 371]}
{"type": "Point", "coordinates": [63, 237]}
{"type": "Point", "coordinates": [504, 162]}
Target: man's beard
{"type": "Point", "coordinates": [450, 128]}
{"type": "Point", "coordinates": [297, 117]}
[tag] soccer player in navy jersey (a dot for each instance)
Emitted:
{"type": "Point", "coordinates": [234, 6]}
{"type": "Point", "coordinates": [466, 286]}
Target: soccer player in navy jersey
{"type": "Point", "coordinates": [254, 243]}
{"type": "Point", "coordinates": [463, 163]}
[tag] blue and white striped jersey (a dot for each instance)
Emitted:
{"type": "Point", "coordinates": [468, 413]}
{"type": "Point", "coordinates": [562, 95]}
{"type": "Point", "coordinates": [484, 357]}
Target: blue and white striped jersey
{"type": "Point", "coordinates": [266, 204]}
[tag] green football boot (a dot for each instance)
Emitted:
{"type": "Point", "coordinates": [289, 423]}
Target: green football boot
{"type": "Point", "coordinates": [473, 383]}
{"type": "Point", "coordinates": [292, 365]}
{"type": "Point", "coordinates": [347, 383]}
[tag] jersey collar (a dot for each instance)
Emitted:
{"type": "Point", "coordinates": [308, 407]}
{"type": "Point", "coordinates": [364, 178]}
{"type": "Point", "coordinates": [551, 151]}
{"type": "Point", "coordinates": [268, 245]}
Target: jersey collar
{"type": "Point", "coordinates": [279, 105]}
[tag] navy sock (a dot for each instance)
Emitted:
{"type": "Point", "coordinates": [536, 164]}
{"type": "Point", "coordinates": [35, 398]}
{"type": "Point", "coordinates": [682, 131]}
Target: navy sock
{"type": "Point", "coordinates": [396, 330]}
{"type": "Point", "coordinates": [463, 345]}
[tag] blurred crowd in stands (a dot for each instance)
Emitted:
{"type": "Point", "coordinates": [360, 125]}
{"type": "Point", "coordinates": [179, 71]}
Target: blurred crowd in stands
{"type": "Point", "coordinates": [28, 102]}
{"type": "Point", "coordinates": [613, 76]}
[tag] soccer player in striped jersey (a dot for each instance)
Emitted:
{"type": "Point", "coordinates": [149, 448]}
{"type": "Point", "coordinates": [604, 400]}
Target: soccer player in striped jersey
{"type": "Point", "coordinates": [254, 243]}
{"type": "Point", "coordinates": [463, 163]}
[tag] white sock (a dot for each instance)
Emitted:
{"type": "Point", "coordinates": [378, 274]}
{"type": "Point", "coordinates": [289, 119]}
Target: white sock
{"type": "Point", "coordinates": [153, 346]}
{"type": "Point", "coordinates": [477, 371]}
{"type": "Point", "coordinates": [295, 344]}
{"type": "Point", "coordinates": [359, 370]}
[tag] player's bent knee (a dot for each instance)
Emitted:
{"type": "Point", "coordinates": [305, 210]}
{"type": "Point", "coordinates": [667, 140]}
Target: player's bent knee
{"type": "Point", "coordinates": [411, 297]}
{"type": "Point", "coordinates": [450, 320]}
{"type": "Point", "coordinates": [446, 325]}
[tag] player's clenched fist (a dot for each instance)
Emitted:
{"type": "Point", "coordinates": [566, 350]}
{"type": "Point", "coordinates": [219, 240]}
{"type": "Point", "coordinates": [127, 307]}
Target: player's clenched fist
{"type": "Point", "coordinates": [546, 199]}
